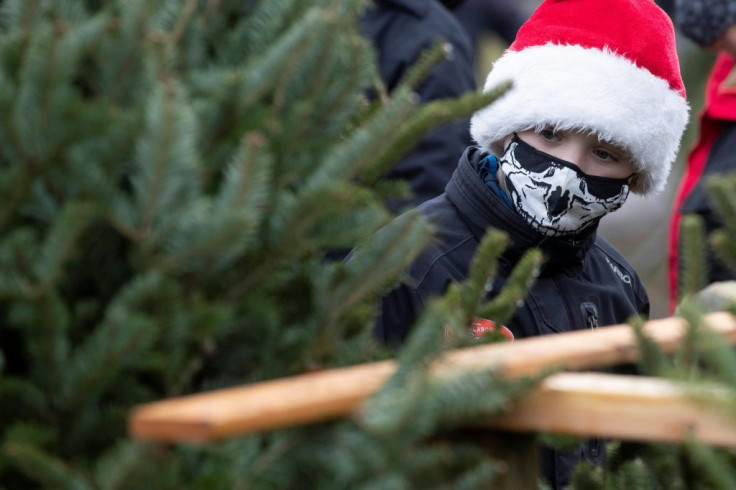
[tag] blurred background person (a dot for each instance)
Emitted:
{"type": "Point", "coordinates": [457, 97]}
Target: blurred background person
{"type": "Point", "coordinates": [492, 26]}
{"type": "Point", "coordinates": [401, 30]}
{"type": "Point", "coordinates": [711, 24]}
{"type": "Point", "coordinates": [501, 17]}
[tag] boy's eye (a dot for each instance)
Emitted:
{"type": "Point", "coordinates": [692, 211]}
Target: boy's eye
{"type": "Point", "coordinates": [548, 134]}
{"type": "Point", "coordinates": [605, 155]}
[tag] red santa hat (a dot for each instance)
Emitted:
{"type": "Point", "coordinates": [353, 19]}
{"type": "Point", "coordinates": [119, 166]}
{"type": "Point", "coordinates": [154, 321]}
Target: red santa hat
{"type": "Point", "coordinates": [608, 67]}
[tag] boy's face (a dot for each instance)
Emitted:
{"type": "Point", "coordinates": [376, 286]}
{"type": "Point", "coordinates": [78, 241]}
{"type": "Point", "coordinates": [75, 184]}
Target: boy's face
{"type": "Point", "coordinates": [561, 182]}
{"type": "Point", "coordinates": [591, 155]}
{"type": "Point", "coordinates": [726, 41]}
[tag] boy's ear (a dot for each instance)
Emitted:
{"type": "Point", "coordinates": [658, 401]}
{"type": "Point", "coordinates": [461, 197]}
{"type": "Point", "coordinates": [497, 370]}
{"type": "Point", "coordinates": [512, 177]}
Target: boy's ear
{"type": "Point", "coordinates": [636, 182]}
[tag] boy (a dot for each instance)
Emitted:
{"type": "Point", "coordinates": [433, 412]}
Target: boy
{"type": "Point", "coordinates": [596, 110]}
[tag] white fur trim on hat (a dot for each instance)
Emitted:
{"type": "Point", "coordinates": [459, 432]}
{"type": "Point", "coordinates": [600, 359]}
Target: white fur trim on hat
{"type": "Point", "coordinates": [569, 87]}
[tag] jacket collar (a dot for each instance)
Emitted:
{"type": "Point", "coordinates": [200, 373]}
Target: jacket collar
{"type": "Point", "coordinates": [482, 209]}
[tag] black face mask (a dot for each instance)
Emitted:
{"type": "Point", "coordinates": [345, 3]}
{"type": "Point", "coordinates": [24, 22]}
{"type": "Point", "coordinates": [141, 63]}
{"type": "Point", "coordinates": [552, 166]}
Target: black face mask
{"type": "Point", "coordinates": [554, 196]}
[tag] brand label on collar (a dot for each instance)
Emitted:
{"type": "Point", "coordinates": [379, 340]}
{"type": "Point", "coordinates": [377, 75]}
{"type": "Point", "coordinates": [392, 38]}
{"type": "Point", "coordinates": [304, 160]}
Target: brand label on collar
{"type": "Point", "coordinates": [621, 275]}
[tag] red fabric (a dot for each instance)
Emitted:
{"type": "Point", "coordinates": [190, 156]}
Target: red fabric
{"type": "Point", "coordinates": [587, 23]}
{"type": "Point", "coordinates": [719, 106]}
{"type": "Point", "coordinates": [482, 326]}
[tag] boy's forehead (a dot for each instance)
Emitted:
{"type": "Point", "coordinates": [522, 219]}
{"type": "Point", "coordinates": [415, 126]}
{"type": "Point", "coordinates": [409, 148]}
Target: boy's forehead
{"type": "Point", "coordinates": [587, 133]}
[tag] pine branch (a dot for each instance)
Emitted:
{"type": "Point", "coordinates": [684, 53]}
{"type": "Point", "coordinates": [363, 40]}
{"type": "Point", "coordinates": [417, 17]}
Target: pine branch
{"type": "Point", "coordinates": [265, 72]}
{"type": "Point", "coordinates": [127, 51]}
{"type": "Point", "coordinates": [717, 471]}
{"type": "Point", "coordinates": [262, 28]}
{"type": "Point", "coordinates": [412, 406]}
{"type": "Point", "coordinates": [60, 241]}
{"type": "Point", "coordinates": [693, 256]}
{"type": "Point", "coordinates": [721, 194]}
{"type": "Point", "coordinates": [43, 468]}
{"type": "Point", "coordinates": [688, 355]}
{"type": "Point", "coordinates": [20, 13]}
{"type": "Point", "coordinates": [214, 234]}
{"type": "Point", "coordinates": [125, 334]}
{"type": "Point", "coordinates": [46, 88]}
{"type": "Point", "coordinates": [471, 394]}
{"type": "Point", "coordinates": [652, 360]}
{"type": "Point", "coordinates": [71, 11]}
{"type": "Point", "coordinates": [79, 40]}
{"type": "Point", "coordinates": [50, 347]}
{"type": "Point", "coordinates": [719, 356]}
{"type": "Point", "coordinates": [21, 398]}
{"type": "Point", "coordinates": [35, 83]}
{"type": "Point", "coordinates": [167, 162]}
{"type": "Point", "coordinates": [429, 116]}
{"type": "Point", "coordinates": [16, 252]}
{"type": "Point", "coordinates": [348, 159]}
{"type": "Point", "coordinates": [501, 308]}
{"type": "Point", "coordinates": [439, 51]}
{"type": "Point", "coordinates": [482, 272]}
{"type": "Point", "coordinates": [115, 467]}
{"type": "Point", "coordinates": [481, 475]}
{"type": "Point", "coordinates": [344, 286]}
{"type": "Point", "coordinates": [326, 106]}
{"type": "Point", "coordinates": [341, 228]}
{"type": "Point", "coordinates": [182, 22]}
{"type": "Point", "coordinates": [722, 243]}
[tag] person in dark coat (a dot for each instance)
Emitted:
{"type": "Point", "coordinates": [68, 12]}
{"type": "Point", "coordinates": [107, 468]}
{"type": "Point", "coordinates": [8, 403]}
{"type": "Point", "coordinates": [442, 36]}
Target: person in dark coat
{"type": "Point", "coordinates": [711, 24]}
{"type": "Point", "coordinates": [593, 114]}
{"type": "Point", "coordinates": [501, 17]}
{"type": "Point", "coordinates": [401, 30]}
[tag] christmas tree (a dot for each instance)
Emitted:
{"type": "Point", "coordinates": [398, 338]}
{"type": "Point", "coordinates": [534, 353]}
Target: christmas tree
{"type": "Point", "coordinates": [175, 174]}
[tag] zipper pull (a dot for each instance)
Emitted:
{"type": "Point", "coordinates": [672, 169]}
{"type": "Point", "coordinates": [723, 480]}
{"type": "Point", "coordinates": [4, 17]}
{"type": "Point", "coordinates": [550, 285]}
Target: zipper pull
{"type": "Point", "coordinates": [590, 313]}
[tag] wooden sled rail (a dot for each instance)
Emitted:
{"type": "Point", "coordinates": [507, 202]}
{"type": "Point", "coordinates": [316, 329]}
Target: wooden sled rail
{"type": "Point", "coordinates": [326, 395]}
{"type": "Point", "coordinates": [620, 407]}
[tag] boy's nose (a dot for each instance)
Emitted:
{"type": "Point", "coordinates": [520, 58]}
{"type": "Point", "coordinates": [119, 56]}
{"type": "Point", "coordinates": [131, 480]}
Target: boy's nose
{"type": "Point", "coordinates": [573, 153]}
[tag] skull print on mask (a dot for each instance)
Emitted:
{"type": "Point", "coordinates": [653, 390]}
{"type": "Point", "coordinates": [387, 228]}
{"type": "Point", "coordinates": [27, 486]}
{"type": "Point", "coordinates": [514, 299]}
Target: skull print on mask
{"type": "Point", "coordinates": [554, 196]}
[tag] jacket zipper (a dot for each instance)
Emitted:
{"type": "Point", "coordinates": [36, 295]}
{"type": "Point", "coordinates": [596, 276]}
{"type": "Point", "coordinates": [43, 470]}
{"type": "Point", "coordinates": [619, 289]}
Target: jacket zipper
{"type": "Point", "coordinates": [590, 312]}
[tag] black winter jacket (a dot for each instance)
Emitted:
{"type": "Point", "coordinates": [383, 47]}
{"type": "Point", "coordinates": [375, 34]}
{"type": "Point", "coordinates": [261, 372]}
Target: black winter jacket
{"type": "Point", "coordinates": [401, 30]}
{"type": "Point", "coordinates": [585, 283]}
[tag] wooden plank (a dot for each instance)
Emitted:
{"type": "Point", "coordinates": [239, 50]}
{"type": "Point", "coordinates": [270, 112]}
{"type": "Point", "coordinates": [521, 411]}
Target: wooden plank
{"type": "Point", "coordinates": [620, 407]}
{"type": "Point", "coordinates": [330, 394]}
{"type": "Point", "coordinates": [262, 406]}
{"type": "Point", "coordinates": [579, 350]}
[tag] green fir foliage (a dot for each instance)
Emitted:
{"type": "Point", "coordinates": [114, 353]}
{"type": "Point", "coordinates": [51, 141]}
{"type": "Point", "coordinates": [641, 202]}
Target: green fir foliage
{"type": "Point", "coordinates": [704, 365]}
{"type": "Point", "coordinates": [722, 193]}
{"type": "Point", "coordinates": [174, 176]}
{"type": "Point", "coordinates": [693, 248]}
